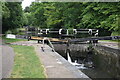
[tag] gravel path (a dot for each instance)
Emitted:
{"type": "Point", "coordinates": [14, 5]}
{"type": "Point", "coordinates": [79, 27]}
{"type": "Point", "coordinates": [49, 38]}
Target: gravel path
{"type": "Point", "coordinates": [7, 60]}
{"type": "Point", "coordinates": [0, 58]}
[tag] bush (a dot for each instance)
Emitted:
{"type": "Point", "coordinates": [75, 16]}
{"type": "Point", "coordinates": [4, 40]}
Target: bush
{"type": "Point", "coordinates": [115, 33]}
{"type": "Point", "coordinates": [8, 32]}
{"type": "Point", "coordinates": [15, 31]}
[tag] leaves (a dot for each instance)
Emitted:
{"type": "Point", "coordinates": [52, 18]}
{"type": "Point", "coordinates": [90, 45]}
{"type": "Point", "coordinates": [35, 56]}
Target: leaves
{"type": "Point", "coordinates": [12, 15]}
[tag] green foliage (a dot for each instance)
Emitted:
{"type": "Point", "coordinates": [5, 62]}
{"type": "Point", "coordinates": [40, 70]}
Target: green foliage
{"type": "Point", "coordinates": [52, 14]}
{"type": "Point", "coordinates": [29, 19]}
{"type": "Point", "coordinates": [25, 19]}
{"type": "Point", "coordinates": [55, 15]}
{"type": "Point", "coordinates": [9, 32]}
{"type": "Point", "coordinates": [0, 9]}
{"type": "Point", "coordinates": [101, 15]}
{"type": "Point", "coordinates": [38, 18]}
{"type": "Point", "coordinates": [27, 9]}
{"type": "Point", "coordinates": [5, 10]}
{"type": "Point", "coordinates": [116, 33]}
{"type": "Point", "coordinates": [12, 15]}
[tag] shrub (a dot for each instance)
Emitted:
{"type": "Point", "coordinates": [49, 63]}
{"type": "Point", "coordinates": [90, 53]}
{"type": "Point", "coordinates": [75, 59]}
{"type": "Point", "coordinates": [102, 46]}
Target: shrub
{"type": "Point", "coordinates": [8, 32]}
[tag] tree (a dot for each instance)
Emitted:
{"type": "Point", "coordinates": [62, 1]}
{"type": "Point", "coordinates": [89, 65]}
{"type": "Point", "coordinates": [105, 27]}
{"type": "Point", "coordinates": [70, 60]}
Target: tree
{"type": "Point", "coordinates": [25, 19]}
{"type": "Point", "coordinates": [5, 10]}
{"type": "Point", "coordinates": [37, 11]}
{"type": "Point", "coordinates": [27, 9]}
{"type": "Point", "coordinates": [15, 16]}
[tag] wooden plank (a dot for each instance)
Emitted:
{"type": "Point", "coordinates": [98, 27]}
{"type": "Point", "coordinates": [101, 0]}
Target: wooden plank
{"type": "Point", "coordinates": [37, 38]}
{"type": "Point", "coordinates": [51, 39]}
{"type": "Point", "coordinates": [57, 40]}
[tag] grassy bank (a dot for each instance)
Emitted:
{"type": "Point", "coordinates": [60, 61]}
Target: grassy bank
{"type": "Point", "coordinates": [8, 40]}
{"type": "Point", "coordinates": [27, 64]}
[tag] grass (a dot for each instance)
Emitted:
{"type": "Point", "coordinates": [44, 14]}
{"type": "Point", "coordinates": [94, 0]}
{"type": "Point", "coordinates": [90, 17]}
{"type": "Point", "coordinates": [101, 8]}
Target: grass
{"type": "Point", "coordinates": [8, 40]}
{"type": "Point", "coordinates": [27, 64]}
{"type": "Point", "coordinates": [112, 40]}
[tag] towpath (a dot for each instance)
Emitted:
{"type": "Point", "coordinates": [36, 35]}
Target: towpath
{"type": "Point", "coordinates": [114, 45]}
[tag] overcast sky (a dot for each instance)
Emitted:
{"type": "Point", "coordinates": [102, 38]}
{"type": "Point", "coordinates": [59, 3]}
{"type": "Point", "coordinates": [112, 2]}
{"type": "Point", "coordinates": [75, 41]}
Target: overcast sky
{"type": "Point", "coordinates": [26, 3]}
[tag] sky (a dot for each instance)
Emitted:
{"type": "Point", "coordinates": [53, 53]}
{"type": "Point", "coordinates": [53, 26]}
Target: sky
{"type": "Point", "coordinates": [26, 3]}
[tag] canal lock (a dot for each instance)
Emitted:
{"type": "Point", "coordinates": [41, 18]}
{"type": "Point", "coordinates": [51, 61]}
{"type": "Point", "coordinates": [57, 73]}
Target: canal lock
{"type": "Point", "coordinates": [83, 56]}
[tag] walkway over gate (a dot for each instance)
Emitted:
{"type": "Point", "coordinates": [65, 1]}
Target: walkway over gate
{"type": "Point", "coordinates": [66, 35]}
{"type": "Point", "coordinates": [60, 32]}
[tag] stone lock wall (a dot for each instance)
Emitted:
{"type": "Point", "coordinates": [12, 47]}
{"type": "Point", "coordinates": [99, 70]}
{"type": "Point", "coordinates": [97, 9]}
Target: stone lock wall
{"type": "Point", "coordinates": [108, 60]}
{"type": "Point", "coordinates": [76, 50]}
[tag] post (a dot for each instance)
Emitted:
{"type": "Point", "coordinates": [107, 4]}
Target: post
{"type": "Point", "coordinates": [43, 46]}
